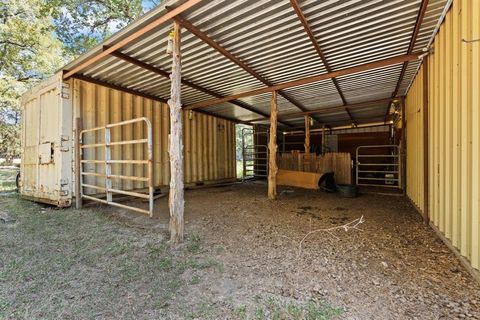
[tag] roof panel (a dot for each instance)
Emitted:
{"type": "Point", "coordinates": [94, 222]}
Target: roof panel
{"type": "Point", "coordinates": [267, 36]}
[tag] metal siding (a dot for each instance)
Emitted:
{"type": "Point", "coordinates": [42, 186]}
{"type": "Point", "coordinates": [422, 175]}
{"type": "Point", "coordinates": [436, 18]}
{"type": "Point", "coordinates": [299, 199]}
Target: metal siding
{"type": "Point", "coordinates": [454, 134]}
{"type": "Point", "coordinates": [205, 144]}
{"type": "Point", "coordinates": [47, 126]}
{"type": "Point", "coordinates": [268, 36]}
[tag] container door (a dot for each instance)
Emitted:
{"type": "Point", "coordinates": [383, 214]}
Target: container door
{"type": "Point", "coordinates": [46, 169]}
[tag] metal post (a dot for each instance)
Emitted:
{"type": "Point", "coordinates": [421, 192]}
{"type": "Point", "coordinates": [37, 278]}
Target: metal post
{"type": "Point", "coordinates": [78, 163]}
{"type": "Point", "coordinates": [108, 166]}
{"type": "Point", "coordinates": [150, 167]}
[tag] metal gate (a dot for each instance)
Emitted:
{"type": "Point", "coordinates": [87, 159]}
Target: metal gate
{"type": "Point", "coordinates": [379, 166]}
{"type": "Point", "coordinates": [255, 156]}
{"type": "Point", "coordinates": [107, 162]}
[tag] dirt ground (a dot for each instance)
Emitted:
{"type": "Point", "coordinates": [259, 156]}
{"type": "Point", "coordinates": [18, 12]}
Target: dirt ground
{"type": "Point", "coordinates": [244, 258]}
{"type": "Point", "coordinates": [394, 267]}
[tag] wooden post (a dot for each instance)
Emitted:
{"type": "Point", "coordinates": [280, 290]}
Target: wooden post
{"type": "Point", "coordinates": [426, 178]}
{"type": "Point", "coordinates": [272, 150]}
{"type": "Point", "coordinates": [307, 135]}
{"type": "Point", "coordinates": [176, 200]}
{"type": "Point", "coordinates": [323, 139]}
{"type": "Point", "coordinates": [78, 164]}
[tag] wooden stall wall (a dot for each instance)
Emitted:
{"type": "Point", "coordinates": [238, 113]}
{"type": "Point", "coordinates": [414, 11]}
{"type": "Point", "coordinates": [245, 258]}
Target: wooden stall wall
{"type": "Point", "coordinates": [209, 142]}
{"type": "Point", "coordinates": [454, 129]}
{"type": "Point", "coordinates": [414, 111]}
{"type": "Point", "coordinates": [339, 163]}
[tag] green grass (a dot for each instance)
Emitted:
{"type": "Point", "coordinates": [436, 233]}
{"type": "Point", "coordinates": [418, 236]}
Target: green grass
{"type": "Point", "coordinates": [276, 309]}
{"type": "Point", "coordinates": [8, 179]}
{"type": "Point", "coordinates": [82, 264]}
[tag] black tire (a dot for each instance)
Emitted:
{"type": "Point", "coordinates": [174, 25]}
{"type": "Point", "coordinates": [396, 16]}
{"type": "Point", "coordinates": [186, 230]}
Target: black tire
{"type": "Point", "coordinates": [17, 181]}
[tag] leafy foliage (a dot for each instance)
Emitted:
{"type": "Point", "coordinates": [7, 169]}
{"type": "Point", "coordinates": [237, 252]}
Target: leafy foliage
{"type": "Point", "coordinates": [37, 37]}
{"type": "Point", "coordinates": [29, 52]}
{"type": "Point", "coordinates": [81, 24]}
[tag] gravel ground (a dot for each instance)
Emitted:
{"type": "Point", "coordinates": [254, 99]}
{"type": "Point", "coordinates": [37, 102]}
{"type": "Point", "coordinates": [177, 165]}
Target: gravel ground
{"type": "Point", "coordinates": [245, 257]}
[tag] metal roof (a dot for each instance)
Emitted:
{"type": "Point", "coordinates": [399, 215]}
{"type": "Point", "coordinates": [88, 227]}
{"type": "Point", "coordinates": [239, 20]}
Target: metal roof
{"type": "Point", "coordinates": [268, 38]}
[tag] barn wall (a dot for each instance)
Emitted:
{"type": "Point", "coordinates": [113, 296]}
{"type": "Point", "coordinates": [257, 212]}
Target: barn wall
{"type": "Point", "coordinates": [209, 142]}
{"type": "Point", "coordinates": [454, 130]}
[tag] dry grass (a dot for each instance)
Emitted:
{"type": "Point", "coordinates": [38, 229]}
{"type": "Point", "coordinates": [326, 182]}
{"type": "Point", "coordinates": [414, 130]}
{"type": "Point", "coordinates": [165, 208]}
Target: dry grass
{"type": "Point", "coordinates": [84, 264]}
{"type": "Point", "coordinates": [7, 179]}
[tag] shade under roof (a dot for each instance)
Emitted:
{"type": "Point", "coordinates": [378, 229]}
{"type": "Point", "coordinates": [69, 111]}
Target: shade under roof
{"type": "Point", "coordinates": [268, 37]}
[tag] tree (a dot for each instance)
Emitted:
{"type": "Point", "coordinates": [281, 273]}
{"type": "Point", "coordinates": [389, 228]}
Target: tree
{"type": "Point", "coordinates": [28, 53]}
{"type": "Point", "coordinates": [81, 24]}
{"type": "Point", "coordinates": [37, 37]}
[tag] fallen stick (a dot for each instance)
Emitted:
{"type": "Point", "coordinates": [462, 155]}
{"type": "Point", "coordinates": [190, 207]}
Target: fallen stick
{"type": "Point", "coordinates": [351, 225]}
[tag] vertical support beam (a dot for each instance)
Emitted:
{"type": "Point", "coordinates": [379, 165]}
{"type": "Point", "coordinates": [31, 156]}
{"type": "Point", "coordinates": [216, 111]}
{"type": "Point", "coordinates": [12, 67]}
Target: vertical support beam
{"type": "Point", "coordinates": [307, 135]}
{"type": "Point", "coordinates": [272, 150]}
{"type": "Point", "coordinates": [78, 164]}
{"type": "Point", "coordinates": [108, 166]}
{"type": "Point", "coordinates": [323, 139]}
{"type": "Point", "coordinates": [176, 198]}
{"type": "Point", "coordinates": [426, 178]}
{"type": "Point", "coordinates": [403, 156]}
{"type": "Point", "coordinates": [150, 167]}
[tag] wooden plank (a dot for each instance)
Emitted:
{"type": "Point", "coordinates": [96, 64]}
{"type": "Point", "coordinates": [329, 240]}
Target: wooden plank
{"type": "Point", "coordinates": [272, 149]}
{"type": "Point", "coordinates": [299, 179]}
{"type": "Point", "coordinates": [176, 197]}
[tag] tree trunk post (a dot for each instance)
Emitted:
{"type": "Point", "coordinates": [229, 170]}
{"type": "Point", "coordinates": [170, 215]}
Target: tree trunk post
{"type": "Point", "coordinates": [176, 198]}
{"type": "Point", "coordinates": [323, 139]}
{"type": "Point", "coordinates": [272, 150]}
{"type": "Point", "coordinates": [307, 135]}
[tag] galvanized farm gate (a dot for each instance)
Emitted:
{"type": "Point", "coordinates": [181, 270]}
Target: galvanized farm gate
{"type": "Point", "coordinates": [106, 192]}
{"type": "Point", "coordinates": [379, 166]}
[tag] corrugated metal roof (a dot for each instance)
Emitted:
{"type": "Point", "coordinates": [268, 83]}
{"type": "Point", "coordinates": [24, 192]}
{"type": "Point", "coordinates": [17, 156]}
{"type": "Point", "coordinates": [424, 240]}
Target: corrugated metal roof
{"type": "Point", "coordinates": [268, 36]}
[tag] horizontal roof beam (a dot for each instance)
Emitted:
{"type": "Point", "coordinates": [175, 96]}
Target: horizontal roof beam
{"type": "Point", "coordinates": [332, 124]}
{"type": "Point", "coordinates": [185, 82]}
{"type": "Point", "coordinates": [413, 39]}
{"type": "Point", "coordinates": [166, 17]}
{"type": "Point", "coordinates": [212, 43]}
{"type": "Point", "coordinates": [313, 40]}
{"type": "Point", "coordinates": [308, 80]}
{"type": "Point", "coordinates": [330, 109]}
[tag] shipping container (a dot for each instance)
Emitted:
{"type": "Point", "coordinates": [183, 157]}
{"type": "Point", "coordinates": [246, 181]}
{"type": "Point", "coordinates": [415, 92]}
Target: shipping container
{"type": "Point", "coordinates": [50, 111]}
{"type": "Point", "coordinates": [451, 83]}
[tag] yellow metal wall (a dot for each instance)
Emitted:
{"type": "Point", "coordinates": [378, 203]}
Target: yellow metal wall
{"type": "Point", "coordinates": [209, 142]}
{"type": "Point", "coordinates": [454, 133]}
{"type": "Point", "coordinates": [414, 113]}
{"type": "Point", "coordinates": [46, 143]}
